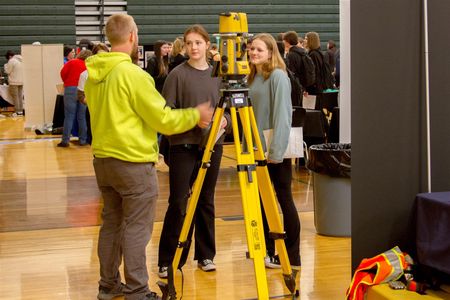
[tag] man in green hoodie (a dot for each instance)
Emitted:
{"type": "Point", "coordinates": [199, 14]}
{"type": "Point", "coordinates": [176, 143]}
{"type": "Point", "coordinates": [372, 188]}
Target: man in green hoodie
{"type": "Point", "coordinates": [126, 113]}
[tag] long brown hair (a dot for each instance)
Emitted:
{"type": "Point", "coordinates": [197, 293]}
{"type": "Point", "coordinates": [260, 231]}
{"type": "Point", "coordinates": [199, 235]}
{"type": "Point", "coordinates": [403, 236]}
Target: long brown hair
{"type": "Point", "coordinates": [162, 61]}
{"type": "Point", "coordinates": [84, 54]}
{"type": "Point", "coordinates": [100, 47]}
{"type": "Point", "coordinates": [313, 40]}
{"type": "Point", "coordinates": [275, 61]}
{"type": "Point", "coordinates": [199, 29]}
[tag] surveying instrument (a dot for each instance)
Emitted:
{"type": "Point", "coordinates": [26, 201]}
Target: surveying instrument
{"type": "Point", "coordinates": [252, 169]}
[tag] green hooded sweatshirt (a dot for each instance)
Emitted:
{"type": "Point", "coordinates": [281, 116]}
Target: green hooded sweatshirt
{"type": "Point", "coordinates": [127, 111]}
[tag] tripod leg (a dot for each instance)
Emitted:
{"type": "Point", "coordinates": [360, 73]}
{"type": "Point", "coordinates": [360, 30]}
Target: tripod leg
{"type": "Point", "coordinates": [271, 207]}
{"type": "Point", "coordinates": [250, 200]}
{"type": "Point", "coordinates": [193, 200]}
{"type": "Point", "coordinates": [248, 174]}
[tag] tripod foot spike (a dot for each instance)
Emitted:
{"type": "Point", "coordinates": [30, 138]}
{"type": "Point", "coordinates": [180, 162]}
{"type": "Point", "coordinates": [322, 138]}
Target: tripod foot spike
{"type": "Point", "coordinates": [296, 295]}
{"type": "Point", "coordinates": [289, 280]}
{"type": "Point", "coordinates": [165, 289]}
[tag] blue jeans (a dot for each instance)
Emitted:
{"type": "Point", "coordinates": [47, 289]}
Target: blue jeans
{"type": "Point", "coordinates": [73, 108]}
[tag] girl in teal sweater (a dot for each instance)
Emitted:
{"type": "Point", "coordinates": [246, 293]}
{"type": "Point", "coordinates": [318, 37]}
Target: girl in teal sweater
{"type": "Point", "coordinates": [270, 91]}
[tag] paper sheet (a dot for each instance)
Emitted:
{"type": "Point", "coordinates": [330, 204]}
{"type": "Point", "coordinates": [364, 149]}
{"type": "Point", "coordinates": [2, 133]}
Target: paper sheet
{"type": "Point", "coordinates": [295, 145]}
{"type": "Point", "coordinates": [309, 102]}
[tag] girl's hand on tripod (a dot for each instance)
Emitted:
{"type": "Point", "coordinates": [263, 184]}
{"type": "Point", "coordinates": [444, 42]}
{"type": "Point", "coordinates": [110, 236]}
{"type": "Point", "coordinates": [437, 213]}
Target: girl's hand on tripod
{"type": "Point", "coordinates": [269, 161]}
{"type": "Point", "coordinates": [223, 123]}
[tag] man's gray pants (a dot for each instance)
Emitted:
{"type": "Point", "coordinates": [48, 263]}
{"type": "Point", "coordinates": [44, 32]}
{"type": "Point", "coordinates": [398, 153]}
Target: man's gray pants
{"type": "Point", "coordinates": [129, 192]}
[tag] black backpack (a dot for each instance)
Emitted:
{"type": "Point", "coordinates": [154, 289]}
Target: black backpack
{"type": "Point", "coordinates": [307, 72]}
{"type": "Point", "coordinates": [296, 89]}
{"type": "Point", "coordinates": [330, 81]}
{"type": "Point", "coordinates": [325, 78]}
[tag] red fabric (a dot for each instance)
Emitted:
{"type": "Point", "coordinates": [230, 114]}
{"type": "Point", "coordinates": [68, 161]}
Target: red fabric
{"type": "Point", "coordinates": [412, 286]}
{"type": "Point", "coordinates": [71, 71]}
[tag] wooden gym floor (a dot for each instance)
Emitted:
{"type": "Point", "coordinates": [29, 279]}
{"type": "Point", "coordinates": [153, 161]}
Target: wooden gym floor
{"type": "Point", "coordinates": [50, 215]}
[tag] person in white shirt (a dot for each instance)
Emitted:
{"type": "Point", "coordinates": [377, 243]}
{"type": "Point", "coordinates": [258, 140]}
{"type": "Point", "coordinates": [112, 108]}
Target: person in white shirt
{"type": "Point", "coordinates": [100, 47]}
{"type": "Point", "coordinates": [14, 69]}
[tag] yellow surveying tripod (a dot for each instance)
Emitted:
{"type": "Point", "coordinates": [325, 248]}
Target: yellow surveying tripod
{"type": "Point", "coordinates": [252, 169]}
{"type": "Point", "coordinates": [253, 174]}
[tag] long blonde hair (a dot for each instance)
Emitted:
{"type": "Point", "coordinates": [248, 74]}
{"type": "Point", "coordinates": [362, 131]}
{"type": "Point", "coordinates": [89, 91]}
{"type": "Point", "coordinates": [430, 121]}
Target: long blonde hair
{"type": "Point", "coordinates": [275, 61]}
{"type": "Point", "coordinates": [178, 46]}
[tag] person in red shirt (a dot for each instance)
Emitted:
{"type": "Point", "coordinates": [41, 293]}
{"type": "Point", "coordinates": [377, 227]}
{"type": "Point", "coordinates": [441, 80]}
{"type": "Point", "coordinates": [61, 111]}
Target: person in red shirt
{"type": "Point", "coordinates": [70, 75]}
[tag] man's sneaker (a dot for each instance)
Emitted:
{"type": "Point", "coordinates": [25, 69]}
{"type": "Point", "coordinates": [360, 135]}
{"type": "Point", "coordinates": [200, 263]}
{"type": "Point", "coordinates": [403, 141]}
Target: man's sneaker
{"type": "Point", "coordinates": [162, 272]}
{"type": "Point", "coordinates": [272, 262]}
{"type": "Point", "coordinates": [109, 294]}
{"type": "Point", "coordinates": [62, 144]}
{"type": "Point", "coordinates": [206, 265]}
{"type": "Point", "coordinates": [152, 296]}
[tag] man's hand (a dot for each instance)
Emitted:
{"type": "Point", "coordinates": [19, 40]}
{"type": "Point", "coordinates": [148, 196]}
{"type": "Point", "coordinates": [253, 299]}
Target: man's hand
{"type": "Point", "coordinates": [81, 97]}
{"type": "Point", "coordinates": [206, 113]}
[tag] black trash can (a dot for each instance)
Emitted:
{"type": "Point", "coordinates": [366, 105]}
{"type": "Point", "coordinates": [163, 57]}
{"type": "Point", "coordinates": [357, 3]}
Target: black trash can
{"type": "Point", "coordinates": [331, 166]}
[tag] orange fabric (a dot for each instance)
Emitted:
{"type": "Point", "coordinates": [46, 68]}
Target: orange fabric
{"type": "Point", "coordinates": [376, 270]}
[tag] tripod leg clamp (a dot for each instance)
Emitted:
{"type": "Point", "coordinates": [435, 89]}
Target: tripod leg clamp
{"type": "Point", "coordinates": [261, 163]}
{"type": "Point", "coordinates": [277, 235]}
{"type": "Point", "coordinates": [185, 244]}
{"type": "Point", "coordinates": [247, 168]}
{"type": "Point", "coordinates": [206, 165]}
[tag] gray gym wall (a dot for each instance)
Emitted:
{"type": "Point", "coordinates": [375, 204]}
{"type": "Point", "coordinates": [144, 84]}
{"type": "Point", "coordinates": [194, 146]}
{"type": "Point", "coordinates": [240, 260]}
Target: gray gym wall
{"type": "Point", "coordinates": [389, 121]}
{"type": "Point", "coordinates": [439, 41]}
{"type": "Point", "coordinates": [165, 20]}
{"type": "Point", "coordinates": [28, 21]}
